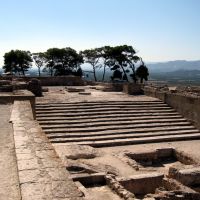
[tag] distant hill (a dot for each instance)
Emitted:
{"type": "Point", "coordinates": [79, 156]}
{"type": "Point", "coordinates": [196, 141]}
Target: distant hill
{"type": "Point", "coordinates": [175, 72]}
{"type": "Point", "coordinates": [179, 77]}
{"type": "Point", "coordinates": [171, 66]}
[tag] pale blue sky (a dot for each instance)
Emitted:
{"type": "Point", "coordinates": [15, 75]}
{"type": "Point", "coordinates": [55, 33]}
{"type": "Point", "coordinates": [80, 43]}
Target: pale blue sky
{"type": "Point", "coordinates": [159, 30]}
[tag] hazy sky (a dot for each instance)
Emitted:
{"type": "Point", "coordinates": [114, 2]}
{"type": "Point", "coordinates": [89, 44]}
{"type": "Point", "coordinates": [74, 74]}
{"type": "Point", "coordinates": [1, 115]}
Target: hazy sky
{"type": "Point", "coordinates": [159, 30]}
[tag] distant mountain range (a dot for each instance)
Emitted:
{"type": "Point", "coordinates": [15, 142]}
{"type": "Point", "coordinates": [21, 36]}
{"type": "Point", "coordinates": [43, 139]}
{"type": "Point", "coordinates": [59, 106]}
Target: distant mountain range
{"type": "Point", "coordinates": [171, 66]}
{"type": "Point", "coordinates": [160, 67]}
{"type": "Point", "coordinates": [177, 72]}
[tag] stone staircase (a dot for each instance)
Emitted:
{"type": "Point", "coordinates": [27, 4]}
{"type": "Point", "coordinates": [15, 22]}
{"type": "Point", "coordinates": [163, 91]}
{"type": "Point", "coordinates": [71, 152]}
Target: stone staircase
{"type": "Point", "coordinates": [111, 123]}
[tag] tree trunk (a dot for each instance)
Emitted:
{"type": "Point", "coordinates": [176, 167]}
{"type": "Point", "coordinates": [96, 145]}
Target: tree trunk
{"type": "Point", "coordinates": [124, 73]}
{"type": "Point", "coordinates": [134, 74]}
{"type": "Point", "coordinates": [94, 72]}
{"type": "Point", "coordinates": [22, 69]}
{"type": "Point", "coordinates": [104, 71]}
{"type": "Point", "coordinates": [39, 71]}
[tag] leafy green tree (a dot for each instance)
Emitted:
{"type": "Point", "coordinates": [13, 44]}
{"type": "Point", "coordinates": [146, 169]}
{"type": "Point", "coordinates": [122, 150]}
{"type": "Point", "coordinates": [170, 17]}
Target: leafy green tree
{"type": "Point", "coordinates": [106, 55]}
{"type": "Point", "coordinates": [10, 62]}
{"type": "Point", "coordinates": [133, 60]}
{"type": "Point", "coordinates": [63, 61]}
{"type": "Point", "coordinates": [52, 55]}
{"type": "Point", "coordinates": [17, 61]}
{"type": "Point", "coordinates": [40, 60]}
{"type": "Point", "coordinates": [79, 72]}
{"type": "Point", "coordinates": [116, 75]}
{"type": "Point", "coordinates": [142, 72]}
{"type": "Point", "coordinates": [92, 57]}
{"type": "Point", "coordinates": [124, 58]}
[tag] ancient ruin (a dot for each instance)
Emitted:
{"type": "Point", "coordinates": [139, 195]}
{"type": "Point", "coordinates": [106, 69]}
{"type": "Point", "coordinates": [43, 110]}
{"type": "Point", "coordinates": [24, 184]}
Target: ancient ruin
{"type": "Point", "coordinates": [100, 141]}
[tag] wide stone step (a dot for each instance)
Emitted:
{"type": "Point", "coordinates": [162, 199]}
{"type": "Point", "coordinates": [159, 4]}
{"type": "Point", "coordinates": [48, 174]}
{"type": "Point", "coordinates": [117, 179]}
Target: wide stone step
{"type": "Point", "coordinates": [103, 110]}
{"type": "Point", "coordinates": [103, 113]}
{"type": "Point", "coordinates": [118, 123]}
{"type": "Point", "coordinates": [88, 107]}
{"type": "Point", "coordinates": [111, 123]}
{"type": "Point", "coordinates": [147, 130]}
{"type": "Point", "coordinates": [130, 141]}
{"type": "Point", "coordinates": [130, 126]}
{"type": "Point", "coordinates": [102, 120]}
{"type": "Point", "coordinates": [86, 103]}
{"type": "Point", "coordinates": [106, 116]}
{"type": "Point", "coordinates": [112, 137]}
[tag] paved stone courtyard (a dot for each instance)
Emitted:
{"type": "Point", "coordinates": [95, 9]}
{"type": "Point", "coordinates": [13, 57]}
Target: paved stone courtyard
{"type": "Point", "coordinates": [35, 167]}
{"type": "Point", "coordinates": [93, 116]}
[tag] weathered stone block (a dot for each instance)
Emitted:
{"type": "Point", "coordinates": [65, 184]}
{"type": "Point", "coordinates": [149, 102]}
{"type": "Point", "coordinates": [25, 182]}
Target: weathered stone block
{"type": "Point", "coordinates": [142, 184]}
{"type": "Point", "coordinates": [131, 88]}
{"type": "Point", "coordinates": [188, 177]}
{"type": "Point", "coordinates": [35, 87]}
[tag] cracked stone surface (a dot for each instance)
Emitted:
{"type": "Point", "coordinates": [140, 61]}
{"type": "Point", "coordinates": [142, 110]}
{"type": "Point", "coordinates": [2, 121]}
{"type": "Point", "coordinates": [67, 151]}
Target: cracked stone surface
{"type": "Point", "coordinates": [41, 173]}
{"type": "Point", "coordinates": [9, 182]}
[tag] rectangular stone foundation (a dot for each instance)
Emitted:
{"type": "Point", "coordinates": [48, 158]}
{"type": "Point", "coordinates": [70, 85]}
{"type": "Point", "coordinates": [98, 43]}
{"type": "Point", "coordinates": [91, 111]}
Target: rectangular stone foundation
{"type": "Point", "coordinates": [142, 184]}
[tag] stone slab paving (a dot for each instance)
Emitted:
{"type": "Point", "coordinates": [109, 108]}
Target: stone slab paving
{"type": "Point", "coordinates": [42, 175]}
{"type": "Point", "coordinates": [59, 94]}
{"type": "Point", "coordinates": [9, 181]}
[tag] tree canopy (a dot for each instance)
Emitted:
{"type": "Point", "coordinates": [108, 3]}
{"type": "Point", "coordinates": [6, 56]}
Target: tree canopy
{"type": "Point", "coordinates": [40, 60]}
{"type": "Point", "coordinates": [92, 56]}
{"type": "Point", "coordinates": [63, 61]}
{"type": "Point", "coordinates": [122, 60]}
{"type": "Point", "coordinates": [17, 61]}
{"type": "Point", "coordinates": [142, 72]}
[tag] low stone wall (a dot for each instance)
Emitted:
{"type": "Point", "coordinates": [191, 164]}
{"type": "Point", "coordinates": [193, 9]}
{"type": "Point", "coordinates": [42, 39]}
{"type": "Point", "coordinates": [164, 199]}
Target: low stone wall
{"type": "Point", "coordinates": [143, 183]}
{"type": "Point", "coordinates": [61, 81]}
{"type": "Point", "coordinates": [18, 95]}
{"type": "Point", "coordinates": [54, 81]}
{"type": "Point", "coordinates": [110, 87]}
{"type": "Point", "coordinates": [188, 106]}
{"type": "Point", "coordinates": [189, 176]}
{"type": "Point", "coordinates": [133, 89]}
{"type": "Point", "coordinates": [41, 172]}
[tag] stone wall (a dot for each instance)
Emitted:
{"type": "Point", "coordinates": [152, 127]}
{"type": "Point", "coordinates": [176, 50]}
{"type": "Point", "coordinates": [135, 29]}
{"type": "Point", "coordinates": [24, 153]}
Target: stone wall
{"type": "Point", "coordinates": [54, 81]}
{"type": "Point", "coordinates": [133, 89]}
{"type": "Point", "coordinates": [18, 95]}
{"type": "Point", "coordinates": [61, 81]}
{"type": "Point", "coordinates": [188, 106]}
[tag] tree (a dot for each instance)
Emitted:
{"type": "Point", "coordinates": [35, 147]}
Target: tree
{"type": "Point", "coordinates": [79, 72]}
{"type": "Point", "coordinates": [52, 55]}
{"type": "Point", "coordinates": [63, 61]}
{"type": "Point", "coordinates": [17, 61]}
{"type": "Point", "coordinates": [133, 60]}
{"type": "Point", "coordinates": [142, 72]}
{"type": "Point", "coordinates": [107, 59]}
{"type": "Point", "coordinates": [123, 57]}
{"type": "Point", "coordinates": [116, 75]}
{"type": "Point", "coordinates": [40, 60]}
{"type": "Point", "coordinates": [92, 57]}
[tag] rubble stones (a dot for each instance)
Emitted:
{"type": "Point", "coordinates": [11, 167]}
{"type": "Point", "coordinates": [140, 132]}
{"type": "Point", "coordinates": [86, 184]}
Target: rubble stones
{"type": "Point", "coordinates": [118, 188]}
{"type": "Point", "coordinates": [80, 151]}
